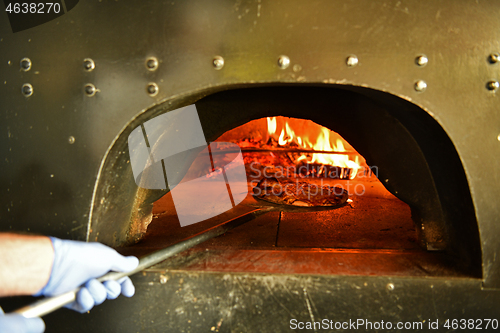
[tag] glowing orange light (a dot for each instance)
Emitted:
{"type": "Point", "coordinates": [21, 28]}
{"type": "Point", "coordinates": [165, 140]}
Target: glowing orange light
{"type": "Point", "coordinates": [326, 140]}
{"type": "Point", "coordinates": [271, 125]}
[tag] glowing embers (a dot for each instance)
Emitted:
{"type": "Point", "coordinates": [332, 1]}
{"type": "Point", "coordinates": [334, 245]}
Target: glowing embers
{"type": "Point", "coordinates": [316, 138]}
{"type": "Point", "coordinates": [290, 147]}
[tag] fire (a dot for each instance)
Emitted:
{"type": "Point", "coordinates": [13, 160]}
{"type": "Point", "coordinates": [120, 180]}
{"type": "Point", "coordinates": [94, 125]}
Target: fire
{"type": "Point", "coordinates": [271, 125]}
{"type": "Point", "coordinates": [287, 136]}
{"type": "Point", "coordinates": [325, 140]}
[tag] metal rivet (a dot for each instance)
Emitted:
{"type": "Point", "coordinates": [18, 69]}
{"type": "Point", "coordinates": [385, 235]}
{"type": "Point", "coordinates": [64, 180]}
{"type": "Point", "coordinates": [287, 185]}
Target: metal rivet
{"type": "Point", "coordinates": [390, 286]}
{"type": "Point", "coordinates": [152, 64]}
{"type": "Point", "coordinates": [25, 64]}
{"type": "Point", "coordinates": [90, 89]}
{"type": "Point", "coordinates": [494, 58]}
{"type": "Point", "coordinates": [283, 61]}
{"type": "Point", "coordinates": [152, 89]}
{"type": "Point", "coordinates": [71, 140]}
{"type": "Point", "coordinates": [27, 90]}
{"type": "Point", "coordinates": [492, 85]}
{"type": "Point", "coordinates": [218, 62]}
{"type": "Point", "coordinates": [498, 137]}
{"type": "Point", "coordinates": [88, 64]}
{"type": "Point", "coordinates": [421, 60]}
{"type": "Point", "coordinates": [420, 86]}
{"type": "Point", "coordinates": [163, 279]}
{"type": "Point", "coordinates": [351, 61]}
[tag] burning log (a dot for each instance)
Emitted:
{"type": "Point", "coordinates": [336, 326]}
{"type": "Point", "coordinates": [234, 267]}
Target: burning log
{"type": "Point", "coordinates": [318, 170]}
{"type": "Point", "coordinates": [297, 147]}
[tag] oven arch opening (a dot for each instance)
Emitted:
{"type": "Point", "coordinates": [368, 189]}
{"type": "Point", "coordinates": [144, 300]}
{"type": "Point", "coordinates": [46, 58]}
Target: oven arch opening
{"type": "Point", "coordinates": [417, 161]}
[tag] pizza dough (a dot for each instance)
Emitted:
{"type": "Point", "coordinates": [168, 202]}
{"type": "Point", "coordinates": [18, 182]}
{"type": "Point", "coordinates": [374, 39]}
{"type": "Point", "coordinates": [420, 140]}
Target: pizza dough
{"type": "Point", "coordinates": [299, 193]}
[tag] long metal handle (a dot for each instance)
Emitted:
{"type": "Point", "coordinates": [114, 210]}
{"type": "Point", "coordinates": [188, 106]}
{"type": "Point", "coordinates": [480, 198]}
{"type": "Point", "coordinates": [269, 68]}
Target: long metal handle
{"type": "Point", "coordinates": [50, 304]}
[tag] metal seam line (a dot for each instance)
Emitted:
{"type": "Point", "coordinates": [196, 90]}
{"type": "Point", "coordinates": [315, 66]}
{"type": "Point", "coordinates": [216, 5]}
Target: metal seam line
{"type": "Point", "coordinates": [64, 6]}
{"type": "Point", "coordinates": [211, 159]}
{"type": "Point", "coordinates": [223, 174]}
{"type": "Point", "coordinates": [228, 187]}
{"type": "Point", "coordinates": [149, 150]}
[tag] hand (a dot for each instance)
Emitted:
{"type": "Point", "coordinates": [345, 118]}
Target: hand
{"type": "Point", "coordinates": [95, 292]}
{"type": "Point", "coordinates": [16, 323]}
{"type": "Point", "coordinates": [76, 263]}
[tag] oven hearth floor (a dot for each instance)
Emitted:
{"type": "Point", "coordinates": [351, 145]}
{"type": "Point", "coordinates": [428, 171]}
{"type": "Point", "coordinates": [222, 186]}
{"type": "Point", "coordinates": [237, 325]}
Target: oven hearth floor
{"type": "Point", "coordinates": [374, 235]}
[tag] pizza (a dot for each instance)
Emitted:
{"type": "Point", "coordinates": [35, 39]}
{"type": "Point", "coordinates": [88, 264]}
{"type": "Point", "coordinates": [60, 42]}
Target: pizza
{"type": "Point", "coordinates": [299, 193]}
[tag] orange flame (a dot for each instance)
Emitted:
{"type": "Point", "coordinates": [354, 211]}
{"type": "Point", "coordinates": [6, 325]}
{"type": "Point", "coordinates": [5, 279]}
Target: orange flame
{"type": "Point", "coordinates": [271, 125]}
{"type": "Point", "coordinates": [323, 142]}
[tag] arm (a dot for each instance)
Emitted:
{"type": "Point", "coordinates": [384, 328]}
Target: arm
{"type": "Point", "coordinates": [26, 263]}
{"type": "Point", "coordinates": [38, 265]}
{"type": "Point", "coordinates": [50, 266]}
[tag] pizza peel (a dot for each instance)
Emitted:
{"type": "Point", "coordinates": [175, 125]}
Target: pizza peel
{"type": "Point", "coordinates": [257, 208]}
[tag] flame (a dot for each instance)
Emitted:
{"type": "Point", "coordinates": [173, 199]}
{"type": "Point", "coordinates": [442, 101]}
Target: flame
{"type": "Point", "coordinates": [287, 136]}
{"type": "Point", "coordinates": [323, 142]}
{"type": "Point", "coordinates": [271, 125]}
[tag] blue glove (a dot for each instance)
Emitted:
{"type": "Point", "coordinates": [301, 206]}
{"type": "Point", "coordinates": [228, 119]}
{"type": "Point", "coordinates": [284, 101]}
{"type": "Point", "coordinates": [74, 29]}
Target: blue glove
{"type": "Point", "coordinates": [77, 263]}
{"type": "Point", "coordinates": [18, 324]}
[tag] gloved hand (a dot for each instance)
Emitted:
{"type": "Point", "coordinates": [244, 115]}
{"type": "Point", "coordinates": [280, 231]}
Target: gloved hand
{"type": "Point", "coordinates": [18, 324]}
{"type": "Point", "coordinates": [76, 263]}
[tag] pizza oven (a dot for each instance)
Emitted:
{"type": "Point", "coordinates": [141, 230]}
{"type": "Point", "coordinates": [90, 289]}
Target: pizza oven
{"type": "Point", "coordinates": [393, 103]}
{"type": "Point", "coordinates": [401, 202]}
